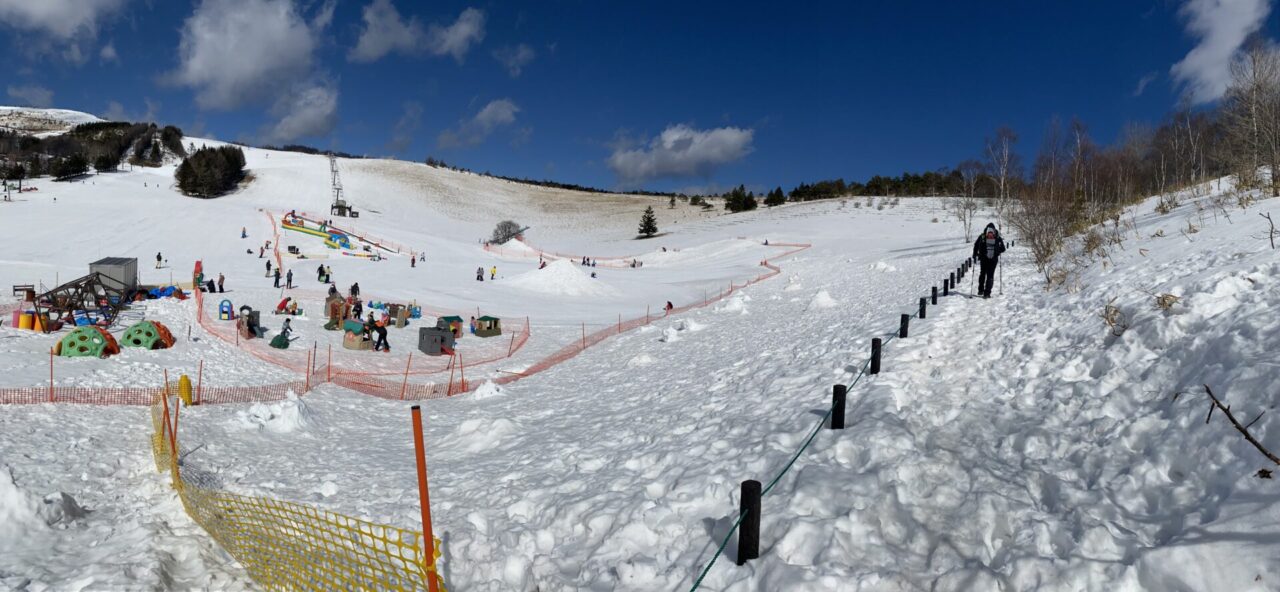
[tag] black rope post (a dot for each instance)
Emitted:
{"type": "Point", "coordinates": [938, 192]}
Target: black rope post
{"type": "Point", "coordinates": [952, 278]}
{"type": "Point", "coordinates": [935, 299]}
{"type": "Point", "coordinates": [945, 289]}
{"type": "Point", "coordinates": [923, 300]}
{"type": "Point", "coordinates": [902, 328]}
{"type": "Point", "coordinates": [838, 394]}
{"type": "Point", "coordinates": [875, 356]}
{"type": "Point", "coordinates": [749, 530]}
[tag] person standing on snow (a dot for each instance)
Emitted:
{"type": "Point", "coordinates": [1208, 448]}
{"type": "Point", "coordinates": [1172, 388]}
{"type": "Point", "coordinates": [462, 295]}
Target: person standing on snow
{"type": "Point", "coordinates": [277, 277]}
{"type": "Point", "coordinates": [987, 250]}
{"type": "Point", "coordinates": [493, 272]}
{"type": "Point", "coordinates": [288, 282]}
{"type": "Point", "coordinates": [220, 280]}
{"type": "Point", "coordinates": [268, 267]}
{"type": "Point", "coordinates": [479, 274]}
{"type": "Point", "coordinates": [355, 290]}
{"type": "Point", "coordinates": [158, 260]}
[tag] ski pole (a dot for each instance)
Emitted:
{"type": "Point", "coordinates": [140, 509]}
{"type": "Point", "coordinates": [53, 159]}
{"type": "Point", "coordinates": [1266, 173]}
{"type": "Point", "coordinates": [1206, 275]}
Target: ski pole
{"type": "Point", "coordinates": [1002, 280]}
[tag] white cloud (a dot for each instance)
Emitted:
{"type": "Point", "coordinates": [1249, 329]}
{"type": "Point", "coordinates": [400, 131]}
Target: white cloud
{"type": "Point", "coordinates": [238, 53]}
{"type": "Point", "coordinates": [62, 19]}
{"type": "Point", "coordinates": [384, 32]}
{"type": "Point", "coordinates": [681, 151]}
{"type": "Point", "coordinates": [116, 112]}
{"type": "Point", "coordinates": [456, 39]}
{"type": "Point", "coordinates": [1146, 79]}
{"type": "Point", "coordinates": [410, 120]}
{"type": "Point", "coordinates": [108, 53]}
{"type": "Point", "coordinates": [304, 113]}
{"type": "Point", "coordinates": [32, 95]}
{"type": "Point", "coordinates": [1221, 26]}
{"type": "Point", "coordinates": [471, 132]}
{"type": "Point", "coordinates": [67, 28]}
{"type": "Point", "coordinates": [324, 16]}
{"type": "Point", "coordinates": [514, 58]}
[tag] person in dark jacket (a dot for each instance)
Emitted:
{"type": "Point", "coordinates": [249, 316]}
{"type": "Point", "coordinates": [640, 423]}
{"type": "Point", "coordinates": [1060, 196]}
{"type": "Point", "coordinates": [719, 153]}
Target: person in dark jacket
{"type": "Point", "coordinates": [987, 250]}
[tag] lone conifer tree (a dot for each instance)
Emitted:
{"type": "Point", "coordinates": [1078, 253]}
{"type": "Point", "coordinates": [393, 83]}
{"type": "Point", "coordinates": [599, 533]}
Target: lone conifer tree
{"type": "Point", "coordinates": [648, 223]}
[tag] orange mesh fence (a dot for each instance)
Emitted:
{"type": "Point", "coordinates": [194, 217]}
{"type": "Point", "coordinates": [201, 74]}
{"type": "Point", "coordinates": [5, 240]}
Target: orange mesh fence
{"type": "Point", "coordinates": [290, 546]}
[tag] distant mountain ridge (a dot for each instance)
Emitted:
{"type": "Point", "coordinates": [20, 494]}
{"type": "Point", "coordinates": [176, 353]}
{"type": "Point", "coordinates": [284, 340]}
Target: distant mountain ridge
{"type": "Point", "coordinates": [42, 122]}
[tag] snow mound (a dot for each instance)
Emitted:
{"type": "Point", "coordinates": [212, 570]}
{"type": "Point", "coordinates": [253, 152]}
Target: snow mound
{"type": "Point", "coordinates": [518, 246]}
{"type": "Point", "coordinates": [19, 510]}
{"type": "Point", "coordinates": [670, 334]}
{"type": "Point", "coordinates": [562, 278]}
{"type": "Point", "coordinates": [281, 417]}
{"type": "Point", "coordinates": [477, 435]}
{"type": "Point", "coordinates": [487, 390]}
{"type": "Point", "coordinates": [673, 332]}
{"type": "Point", "coordinates": [737, 304]}
{"type": "Point", "coordinates": [22, 513]}
{"type": "Point", "coordinates": [881, 266]}
{"type": "Point", "coordinates": [793, 284]}
{"type": "Point", "coordinates": [823, 300]}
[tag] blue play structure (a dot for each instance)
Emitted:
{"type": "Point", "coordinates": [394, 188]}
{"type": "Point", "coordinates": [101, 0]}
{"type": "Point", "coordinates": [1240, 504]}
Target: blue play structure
{"type": "Point", "coordinates": [225, 311]}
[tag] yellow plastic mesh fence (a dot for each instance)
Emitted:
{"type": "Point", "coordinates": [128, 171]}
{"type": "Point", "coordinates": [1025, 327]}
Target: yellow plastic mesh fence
{"type": "Point", "coordinates": [289, 546]}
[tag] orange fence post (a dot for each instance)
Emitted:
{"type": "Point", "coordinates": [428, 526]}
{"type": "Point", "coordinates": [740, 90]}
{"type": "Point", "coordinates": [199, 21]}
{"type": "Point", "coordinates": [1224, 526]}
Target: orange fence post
{"type": "Point", "coordinates": [511, 347]}
{"type": "Point", "coordinates": [462, 375]}
{"type": "Point", "coordinates": [424, 500]}
{"type": "Point", "coordinates": [584, 336]}
{"type": "Point", "coordinates": [619, 322]}
{"type": "Point", "coordinates": [405, 386]}
{"type": "Point", "coordinates": [173, 440]}
{"type": "Point", "coordinates": [452, 363]}
{"type": "Point", "coordinates": [200, 382]}
{"type": "Point", "coordinates": [164, 425]}
{"type": "Point", "coordinates": [50, 375]}
{"type": "Point", "coordinates": [646, 314]}
{"type": "Point", "coordinates": [307, 388]}
{"type": "Point", "coordinates": [328, 370]}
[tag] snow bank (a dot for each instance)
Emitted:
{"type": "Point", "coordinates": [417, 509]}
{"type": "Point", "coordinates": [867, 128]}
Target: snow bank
{"type": "Point", "coordinates": [22, 513]}
{"type": "Point", "coordinates": [561, 278]}
{"type": "Point", "coordinates": [881, 266]}
{"type": "Point", "coordinates": [282, 417]}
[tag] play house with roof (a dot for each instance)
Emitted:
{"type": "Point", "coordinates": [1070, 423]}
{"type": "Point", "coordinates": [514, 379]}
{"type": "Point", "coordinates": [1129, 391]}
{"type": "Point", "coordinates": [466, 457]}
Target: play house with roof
{"type": "Point", "coordinates": [487, 326]}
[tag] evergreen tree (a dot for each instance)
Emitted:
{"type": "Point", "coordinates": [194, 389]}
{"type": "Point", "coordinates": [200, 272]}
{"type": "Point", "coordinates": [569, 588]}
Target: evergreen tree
{"type": "Point", "coordinates": [105, 162]}
{"type": "Point", "coordinates": [648, 223]}
{"type": "Point", "coordinates": [17, 173]}
{"type": "Point", "coordinates": [209, 172]}
{"type": "Point", "coordinates": [775, 198]}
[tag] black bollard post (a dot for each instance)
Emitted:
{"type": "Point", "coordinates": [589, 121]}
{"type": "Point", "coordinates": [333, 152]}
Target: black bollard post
{"type": "Point", "coordinates": [923, 300]}
{"type": "Point", "coordinates": [875, 356]}
{"type": "Point", "coordinates": [945, 289]}
{"type": "Point", "coordinates": [749, 530]}
{"type": "Point", "coordinates": [935, 298]}
{"type": "Point", "coordinates": [838, 394]}
{"type": "Point", "coordinates": [952, 277]}
{"type": "Point", "coordinates": [902, 328]}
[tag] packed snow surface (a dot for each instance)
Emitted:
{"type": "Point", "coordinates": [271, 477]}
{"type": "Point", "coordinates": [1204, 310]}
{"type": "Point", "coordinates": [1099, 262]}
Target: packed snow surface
{"type": "Point", "coordinates": [1016, 443]}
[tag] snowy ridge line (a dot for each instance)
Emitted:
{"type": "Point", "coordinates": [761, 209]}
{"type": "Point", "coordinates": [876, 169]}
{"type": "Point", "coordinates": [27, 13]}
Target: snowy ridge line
{"type": "Point", "coordinates": [287, 545]}
{"type": "Point", "coordinates": [887, 338]}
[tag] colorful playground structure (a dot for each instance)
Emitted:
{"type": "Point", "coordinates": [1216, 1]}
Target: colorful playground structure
{"type": "Point", "coordinates": [348, 244]}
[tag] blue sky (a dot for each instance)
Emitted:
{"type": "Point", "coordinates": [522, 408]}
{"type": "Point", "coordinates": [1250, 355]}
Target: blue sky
{"type": "Point", "coordinates": [659, 95]}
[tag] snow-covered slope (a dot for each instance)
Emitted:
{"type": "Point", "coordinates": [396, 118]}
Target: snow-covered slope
{"type": "Point", "coordinates": [42, 122]}
{"type": "Point", "coordinates": [1011, 443]}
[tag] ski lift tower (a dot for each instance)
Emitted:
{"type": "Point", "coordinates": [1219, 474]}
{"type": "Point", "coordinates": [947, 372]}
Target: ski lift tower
{"type": "Point", "coordinates": [340, 206]}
